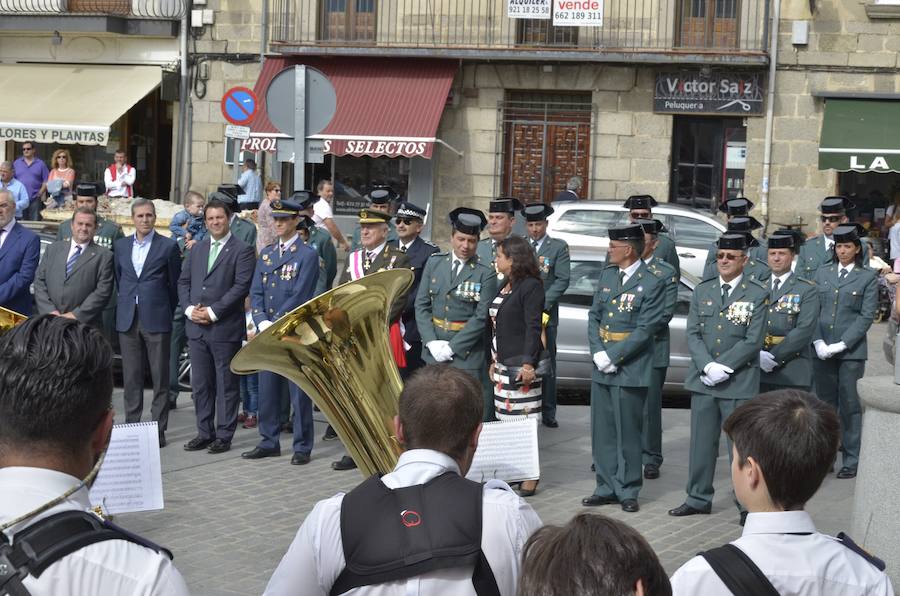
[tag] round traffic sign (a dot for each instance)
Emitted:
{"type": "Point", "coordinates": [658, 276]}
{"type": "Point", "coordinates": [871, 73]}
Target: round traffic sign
{"type": "Point", "coordinates": [239, 105]}
{"type": "Point", "coordinates": [282, 99]}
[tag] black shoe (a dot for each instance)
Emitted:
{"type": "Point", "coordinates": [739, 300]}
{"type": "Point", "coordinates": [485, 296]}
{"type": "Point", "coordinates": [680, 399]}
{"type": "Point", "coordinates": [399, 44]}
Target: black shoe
{"type": "Point", "coordinates": [330, 434]}
{"type": "Point", "coordinates": [345, 463]}
{"type": "Point", "coordinates": [684, 509]}
{"type": "Point", "coordinates": [300, 459]}
{"type": "Point", "coordinates": [743, 518]}
{"type": "Point", "coordinates": [846, 472]}
{"type": "Point", "coordinates": [162, 440]}
{"type": "Point", "coordinates": [593, 468]}
{"type": "Point", "coordinates": [595, 500]}
{"type": "Point", "coordinates": [173, 404]}
{"type": "Point", "coordinates": [550, 423]}
{"type": "Point", "coordinates": [630, 506]}
{"type": "Point", "coordinates": [261, 452]}
{"type": "Point", "coordinates": [651, 471]}
{"type": "Point", "coordinates": [219, 446]}
{"type": "Point", "coordinates": [197, 443]}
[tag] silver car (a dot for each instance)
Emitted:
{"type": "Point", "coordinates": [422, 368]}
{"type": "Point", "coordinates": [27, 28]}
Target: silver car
{"type": "Point", "coordinates": [584, 223]}
{"type": "Point", "coordinates": [573, 356]}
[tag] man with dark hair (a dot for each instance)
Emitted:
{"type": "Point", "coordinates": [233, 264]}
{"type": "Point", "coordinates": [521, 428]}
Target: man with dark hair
{"type": "Point", "coordinates": [119, 177]}
{"type": "Point", "coordinates": [107, 231]}
{"type": "Point", "coordinates": [32, 172]}
{"type": "Point", "coordinates": [488, 524]}
{"type": "Point", "coordinates": [641, 207]}
{"type": "Point", "coordinates": [500, 221]}
{"type": "Point", "coordinates": [756, 266]}
{"type": "Point", "coordinates": [592, 554]}
{"type": "Point", "coordinates": [818, 251]}
{"type": "Point", "coordinates": [56, 416]}
{"type": "Point", "coordinates": [242, 229]}
{"type": "Point", "coordinates": [784, 442]}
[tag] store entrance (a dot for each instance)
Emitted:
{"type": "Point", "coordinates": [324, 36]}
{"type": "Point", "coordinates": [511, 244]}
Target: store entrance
{"type": "Point", "coordinates": [708, 160]}
{"type": "Point", "coordinates": [873, 193]}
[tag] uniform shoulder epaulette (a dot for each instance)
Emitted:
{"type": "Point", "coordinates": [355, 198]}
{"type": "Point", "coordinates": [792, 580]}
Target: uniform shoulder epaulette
{"type": "Point", "coordinates": [609, 265]}
{"type": "Point", "coordinates": [757, 283]}
{"type": "Point", "coordinates": [438, 254]}
{"type": "Point", "coordinates": [849, 543]}
{"type": "Point", "coordinates": [806, 281]}
{"type": "Point", "coordinates": [709, 281]}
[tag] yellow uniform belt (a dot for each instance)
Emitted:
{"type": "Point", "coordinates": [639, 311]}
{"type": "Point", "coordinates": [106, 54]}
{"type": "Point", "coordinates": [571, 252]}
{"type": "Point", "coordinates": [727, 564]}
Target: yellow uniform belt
{"type": "Point", "coordinates": [774, 340]}
{"type": "Point", "coordinates": [613, 336]}
{"type": "Point", "coordinates": [448, 325]}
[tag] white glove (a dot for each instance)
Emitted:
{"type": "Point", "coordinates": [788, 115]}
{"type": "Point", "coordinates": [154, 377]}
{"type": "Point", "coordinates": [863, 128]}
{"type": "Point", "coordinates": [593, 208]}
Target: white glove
{"type": "Point", "coordinates": [446, 352]}
{"type": "Point", "coordinates": [767, 361]}
{"type": "Point", "coordinates": [717, 373]}
{"type": "Point", "coordinates": [821, 350]}
{"type": "Point", "coordinates": [263, 325]}
{"type": "Point", "coordinates": [836, 348]}
{"type": "Point", "coordinates": [601, 360]}
{"type": "Point", "coordinates": [705, 380]}
{"type": "Point", "coordinates": [611, 369]}
{"type": "Point", "coordinates": [437, 349]}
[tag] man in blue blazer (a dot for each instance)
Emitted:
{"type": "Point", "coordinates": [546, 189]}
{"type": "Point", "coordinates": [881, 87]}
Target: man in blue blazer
{"type": "Point", "coordinates": [20, 251]}
{"type": "Point", "coordinates": [146, 267]}
{"type": "Point", "coordinates": [214, 283]}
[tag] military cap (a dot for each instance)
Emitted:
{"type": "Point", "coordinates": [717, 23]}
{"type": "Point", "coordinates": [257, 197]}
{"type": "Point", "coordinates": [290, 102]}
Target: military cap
{"type": "Point", "coordinates": [86, 189]}
{"type": "Point", "coordinates": [537, 212]}
{"type": "Point", "coordinates": [468, 221]}
{"type": "Point", "coordinates": [799, 237]}
{"type": "Point", "coordinates": [411, 211]}
{"type": "Point", "coordinates": [851, 232]}
{"type": "Point", "coordinates": [505, 205]}
{"type": "Point", "coordinates": [651, 226]}
{"type": "Point", "coordinates": [732, 241]}
{"type": "Point", "coordinates": [737, 206]}
{"type": "Point", "coordinates": [382, 195]}
{"type": "Point", "coordinates": [743, 224]}
{"type": "Point", "coordinates": [640, 202]}
{"type": "Point", "coordinates": [225, 199]}
{"type": "Point", "coordinates": [783, 241]}
{"type": "Point", "coordinates": [835, 205]}
{"type": "Point", "coordinates": [370, 216]}
{"type": "Point", "coordinates": [232, 190]}
{"type": "Point", "coordinates": [285, 208]}
{"type": "Point", "coordinates": [627, 232]}
{"type": "Point", "coordinates": [304, 198]}
{"type": "Point", "coordinates": [306, 223]}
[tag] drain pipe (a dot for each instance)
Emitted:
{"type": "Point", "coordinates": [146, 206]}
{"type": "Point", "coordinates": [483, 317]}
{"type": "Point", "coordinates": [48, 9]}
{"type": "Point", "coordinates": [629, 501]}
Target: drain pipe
{"type": "Point", "coordinates": [770, 115]}
{"type": "Point", "coordinates": [184, 98]}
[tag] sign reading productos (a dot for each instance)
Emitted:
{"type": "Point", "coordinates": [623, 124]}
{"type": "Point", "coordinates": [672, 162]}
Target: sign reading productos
{"type": "Point", "coordinates": [692, 92]}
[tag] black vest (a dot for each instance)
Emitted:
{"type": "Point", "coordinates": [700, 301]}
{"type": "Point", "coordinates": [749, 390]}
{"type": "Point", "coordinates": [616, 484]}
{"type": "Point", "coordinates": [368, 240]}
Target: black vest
{"type": "Point", "coordinates": [391, 535]}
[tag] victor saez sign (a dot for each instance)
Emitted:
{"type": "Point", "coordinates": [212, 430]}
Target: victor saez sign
{"type": "Point", "coordinates": [692, 92]}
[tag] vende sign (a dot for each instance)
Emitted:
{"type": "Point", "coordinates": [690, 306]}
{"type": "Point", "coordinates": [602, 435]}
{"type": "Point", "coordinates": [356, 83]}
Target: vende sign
{"type": "Point", "coordinates": [257, 144]}
{"type": "Point", "coordinates": [578, 13]}
{"type": "Point", "coordinates": [378, 148]}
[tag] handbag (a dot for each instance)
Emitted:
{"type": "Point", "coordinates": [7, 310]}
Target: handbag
{"type": "Point", "coordinates": [541, 369]}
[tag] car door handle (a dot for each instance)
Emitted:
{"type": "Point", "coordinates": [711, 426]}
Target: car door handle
{"type": "Point", "coordinates": [687, 255]}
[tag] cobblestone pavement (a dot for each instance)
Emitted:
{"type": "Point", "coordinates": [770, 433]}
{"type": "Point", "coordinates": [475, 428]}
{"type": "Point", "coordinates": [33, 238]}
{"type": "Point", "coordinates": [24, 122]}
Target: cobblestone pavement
{"type": "Point", "coordinates": [229, 521]}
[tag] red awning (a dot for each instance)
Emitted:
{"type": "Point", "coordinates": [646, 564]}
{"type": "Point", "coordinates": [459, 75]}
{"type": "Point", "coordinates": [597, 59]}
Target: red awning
{"type": "Point", "coordinates": [384, 107]}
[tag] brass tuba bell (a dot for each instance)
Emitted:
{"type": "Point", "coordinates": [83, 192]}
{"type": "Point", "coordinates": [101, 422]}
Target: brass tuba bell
{"type": "Point", "coordinates": [9, 319]}
{"type": "Point", "coordinates": [336, 348]}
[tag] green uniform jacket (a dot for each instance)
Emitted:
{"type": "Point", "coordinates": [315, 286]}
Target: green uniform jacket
{"type": "Point", "coordinates": [754, 269]}
{"type": "Point", "coordinates": [320, 240]}
{"type": "Point", "coordinates": [731, 335]}
{"type": "Point", "coordinates": [553, 262]}
{"type": "Point", "coordinates": [814, 256]}
{"type": "Point", "coordinates": [848, 308]}
{"type": "Point", "coordinates": [244, 230]}
{"type": "Point", "coordinates": [661, 342]}
{"type": "Point", "coordinates": [638, 308]}
{"type": "Point", "coordinates": [665, 251]}
{"type": "Point", "coordinates": [465, 299]}
{"type": "Point", "coordinates": [355, 243]}
{"type": "Point", "coordinates": [793, 315]}
{"type": "Point", "coordinates": [107, 232]}
{"type": "Point", "coordinates": [389, 258]}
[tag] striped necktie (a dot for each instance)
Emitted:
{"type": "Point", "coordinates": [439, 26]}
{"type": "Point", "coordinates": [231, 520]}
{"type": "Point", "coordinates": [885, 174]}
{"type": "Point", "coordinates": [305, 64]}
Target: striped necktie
{"type": "Point", "coordinates": [72, 258]}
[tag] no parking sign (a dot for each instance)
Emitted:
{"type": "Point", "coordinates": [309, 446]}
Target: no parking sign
{"type": "Point", "coordinates": [239, 105]}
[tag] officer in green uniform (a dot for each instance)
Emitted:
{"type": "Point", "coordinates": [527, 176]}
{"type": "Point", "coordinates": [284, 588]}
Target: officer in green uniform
{"type": "Point", "coordinates": [453, 301]}
{"type": "Point", "coordinates": [628, 308]}
{"type": "Point", "coordinates": [501, 219]}
{"type": "Point", "coordinates": [651, 430]}
{"type": "Point", "coordinates": [108, 231]}
{"type": "Point", "coordinates": [553, 262]}
{"type": "Point", "coordinates": [739, 207]}
{"type": "Point", "coordinates": [242, 229]}
{"type": "Point", "coordinates": [380, 199]}
{"type": "Point", "coordinates": [818, 251]}
{"type": "Point", "coordinates": [757, 267]}
{"type": "Point", "coordinates": [725, 331]}
{"type": "Point", "coordinates": [319, 239]}
{"type": "Point", "coordinates": [641, 207]}
{"type": "Point", "coordinates": [786, 359]}
{"type": "Point", "coordinates": [848, 293]}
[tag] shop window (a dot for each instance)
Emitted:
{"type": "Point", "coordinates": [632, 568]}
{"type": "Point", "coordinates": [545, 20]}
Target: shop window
{"type": "Point", "coordinates": [122, 7]}
{"type": "Point", "coordinates": [354, 177]}
{"type": "Point", "coordinates": [348, 21]}
{"type": "Point", "coordinates": [541, 32]}
{"type": "Point", "coordinates": [708, 160]}
{"type": "Point", "coordinates": [708, 23]}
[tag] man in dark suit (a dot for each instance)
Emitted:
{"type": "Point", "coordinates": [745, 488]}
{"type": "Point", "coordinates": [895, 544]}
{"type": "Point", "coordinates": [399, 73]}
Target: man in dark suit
{"type": "Point", "coordinates": [146, 267]}
{"type": "Point", "coordinates": [214, 282]}
{"type": "Point", "coordinates": [20, 250]}
{"type": "Point", "coordinates": [573, 187]}
{"type": "Point", "coordinates": [409, 221]}
{"type": "Point", "coordinates": [75, 277]}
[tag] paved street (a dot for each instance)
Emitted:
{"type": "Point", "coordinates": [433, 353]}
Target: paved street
{"type": "Point", "coordinates": [229, 521]}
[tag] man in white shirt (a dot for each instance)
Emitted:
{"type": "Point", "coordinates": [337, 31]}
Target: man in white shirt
{"type": "Point", "coordinates": [250, 184]}
{"type": "Point", "coordinates": [439, 449]}
{"type": "Point", "coordinates": [784, 443]}
{"type": "Point", "coordinates": [119, 177]}
{"type": "Point", "coordinates": [323, 214]}
{"type": "Point", "coordinates": [54, 427]}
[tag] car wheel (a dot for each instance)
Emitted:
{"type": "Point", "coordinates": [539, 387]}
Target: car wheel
{"type": "Point", "coordinates": [184, 372]}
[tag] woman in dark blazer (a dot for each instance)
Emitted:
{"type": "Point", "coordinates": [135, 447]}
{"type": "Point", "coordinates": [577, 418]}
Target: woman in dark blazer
{"type": "Point", "coordinates": [514, 322]}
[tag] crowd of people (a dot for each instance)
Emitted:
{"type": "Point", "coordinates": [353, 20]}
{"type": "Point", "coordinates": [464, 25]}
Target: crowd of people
{"type": "Point", "coordinates": [476, 333]}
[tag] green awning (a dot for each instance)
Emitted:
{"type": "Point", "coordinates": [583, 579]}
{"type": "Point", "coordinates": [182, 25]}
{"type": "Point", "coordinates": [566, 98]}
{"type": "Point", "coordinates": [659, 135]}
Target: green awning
{"type": "Point", "coordinates": [860, 135]}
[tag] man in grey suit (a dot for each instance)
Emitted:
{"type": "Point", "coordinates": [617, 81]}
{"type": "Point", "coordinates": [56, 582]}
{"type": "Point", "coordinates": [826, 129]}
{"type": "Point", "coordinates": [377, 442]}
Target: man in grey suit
{"type": "Point", "coordinates": [75, 277]}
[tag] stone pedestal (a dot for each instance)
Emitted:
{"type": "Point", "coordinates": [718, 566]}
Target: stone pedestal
{"type": "Point", "coordinates": [876, 524]}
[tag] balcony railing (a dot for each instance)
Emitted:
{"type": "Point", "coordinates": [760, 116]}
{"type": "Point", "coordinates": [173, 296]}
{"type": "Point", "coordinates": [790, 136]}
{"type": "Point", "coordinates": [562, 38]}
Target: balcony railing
{"type": "Point", "coordinates": [450, 27]}
{"type": "Point", "coordinates": [149, 9]}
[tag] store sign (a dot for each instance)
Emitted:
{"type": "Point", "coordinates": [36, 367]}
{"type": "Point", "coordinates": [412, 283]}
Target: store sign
{"type": "Point", "coordinates": [257, 144]}
{"type": "Point", "coordinates": [45, 134]}
{"type": "Point", "coordinates": [391, 147]}
{"type": "Point", "coordinates": [529, 9]}
{"type": "Point", "coordinates": [692, 92]}
{"type": "Point", "coordinates": [875, 163]}
{"type": "Point", "coordinates": [577, 13]}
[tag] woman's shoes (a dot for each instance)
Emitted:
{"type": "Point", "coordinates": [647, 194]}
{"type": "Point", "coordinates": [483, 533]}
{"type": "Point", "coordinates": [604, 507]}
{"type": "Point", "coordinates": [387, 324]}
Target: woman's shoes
{"type": "Point", "coordinates": [528, 488]}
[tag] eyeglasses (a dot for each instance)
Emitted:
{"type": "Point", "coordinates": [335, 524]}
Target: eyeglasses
{"type": "Point", "coordinates": [27, 148]}
{"type": "Point", "coordinates": [640, 214]}
{"type": "Point", "coordinates": [726, 256]}
{"type": "Point", "coordinates": [405, 221]}
{"type": "Point", "coordinates": [831, 218]}
{"type": "Point", "coordinates": [61, 157]}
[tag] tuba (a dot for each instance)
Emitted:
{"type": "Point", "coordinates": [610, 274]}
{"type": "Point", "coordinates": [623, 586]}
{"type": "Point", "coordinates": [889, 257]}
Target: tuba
{"type": "Point", "coordinates": [9, 319]}
{"type": "Point", "coordinates": [336, 348]}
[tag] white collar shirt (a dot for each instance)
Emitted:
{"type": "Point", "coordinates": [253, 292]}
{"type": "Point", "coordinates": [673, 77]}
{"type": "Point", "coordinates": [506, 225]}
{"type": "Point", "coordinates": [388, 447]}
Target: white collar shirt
{"type": "Point", "coordinates": [629, 271]}
{"type": "Point", "coordinates": [648, 260]}
{"type": "Point", "coordinates": [796, 559]}
{"type": "Point", "coordinates": [7, 230]}
{"type": "Point", "coordinates": [849, 268]}
{"type": "Point", "coordinates": [781, 279]}
{"type": "Point", "coordinates": [405, 247]}
{"type": "Point", "coordinates": [537, 244]}
{"type": "Point", "coordinates": [316, 556]}
{"type": "Point", "coordinates": [829, 243]}
{"type": "Point", "coordinates": [375, 251]}
{"type": "Point", "coordinates": [283, 246]}
{"type": "Point", "coordinates": [731, 284]}
{"type": "Point", "coordinates": [139, 251]}
{"type": "Point", "coordinates": [108, 567]}
{"type": "Point", "coordinates": [72, 247]}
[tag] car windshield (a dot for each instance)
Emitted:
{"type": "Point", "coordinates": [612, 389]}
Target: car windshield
{"type": "Point", "coordinates": [694, 233]}
{"type": "Point", "coordinates": [590, 222]}
{"type": "Point", "coordinates": [582, 282]}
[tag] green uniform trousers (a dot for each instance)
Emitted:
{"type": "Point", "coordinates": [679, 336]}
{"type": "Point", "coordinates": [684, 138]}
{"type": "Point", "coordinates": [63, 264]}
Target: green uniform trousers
{"type": "Point", "coordinates": [766, 387]}
{"type": "Point", "coordinates": [707, 415]}
{"type": "Point", "coordinates": [836, 386]}
{"type": "Point", "coordinates": [548, 383]}
{"type": "Point", "coordinates": [616, 416]}
{"type": "Point", "coordinates": [651, 431]}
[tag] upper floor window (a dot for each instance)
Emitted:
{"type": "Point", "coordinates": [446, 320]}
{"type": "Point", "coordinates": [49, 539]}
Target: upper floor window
{"type": "Point", "coordinates": [708, 23]}
{"type": "Point", "coordinates": [348, 20]}
{"type": "Point", "coordinates": [542, 32]}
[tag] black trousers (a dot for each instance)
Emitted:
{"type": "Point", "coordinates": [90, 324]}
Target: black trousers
{"type": "Point", "coordinates": [136, 345]}
{"type": "Point", "coordinates": [413, 360]}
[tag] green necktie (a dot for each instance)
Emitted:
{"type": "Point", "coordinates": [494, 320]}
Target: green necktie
{"type": "Point", "coordinates": [213, 253]}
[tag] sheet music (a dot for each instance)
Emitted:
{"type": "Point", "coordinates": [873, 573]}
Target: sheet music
{"type": "Point", "coordinates": [130, 478]}
{"type": "Point", "coordinates": [507, 451]}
